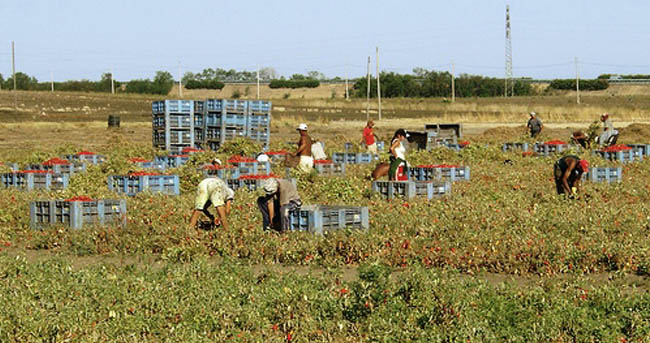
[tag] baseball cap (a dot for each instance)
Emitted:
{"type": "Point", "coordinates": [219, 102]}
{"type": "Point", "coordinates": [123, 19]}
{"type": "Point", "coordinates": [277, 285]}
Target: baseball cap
{"type": "Point", "coordinates": [584, 165]}
{"type": "Point", "coordinates": [270, 186]}
{"type": "Point", "coordinates": [216, 160]}
{"type": "Point", "coordinates": [262, 158]}
{"type": "Point", "coordinates": [532, 114]}
{"type": "Point", "coordinates": [302, 127]}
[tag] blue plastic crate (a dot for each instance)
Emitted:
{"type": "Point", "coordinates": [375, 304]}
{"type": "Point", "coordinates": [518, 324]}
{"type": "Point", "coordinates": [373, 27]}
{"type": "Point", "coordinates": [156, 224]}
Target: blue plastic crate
{"type": "Point", "coordinates": [70, 168]}
{"type": "Point", "coordinates": [250, 184]}
{"type": "Point", "coordinates": [234, 120]}
{"type": "Point", "coordinates": [321, 219]}
{"type": "Point", "coordinates": [86, 158]}
{"type": "Point", "coordinates": [262, 121]}
{"type": "Point", "coordinates": [158, 165]}
{"type": "Point", "coordinates": [643, 149]}
{"type": "Point", "coordinates": [330, 169]}
{"type": "Point", "coordinates": [77, 214]}
{"type": "Point", "coordinates": [173, 161]}
{"type": "Point", "coordinates": [259, 106]}
{"type": "Point", "coordinates": [608, 175]}
{"type": "Point", "coordinates": [32, 181]}
{"type": "Point", "coordinates": [354, 158]}
{"type": "Point", "coordinates": [131, 185]}
{"type": "Point", "coordinates": [199, 107]}
{"type": "Point", "coordinates": [514, 146]}
{"type": "Point", "coordinates": [172, 106]}
{"type": "Point", "coordinates": [214, 105]}
{"type": "Point", "coordinates": [198, 120]}
{"type": "Point", "coordinates": [446, 173]}
{"type": "Point", "coordinates": [253, 168]}
{"type": "Point", "coordinates": [621, 156]}
{"type": "Point", "coordinates": [235, 106]}
{"type": "Point", "coordinates": [547, 149]}
{"type": "Point", "coordinates": [411, 189]}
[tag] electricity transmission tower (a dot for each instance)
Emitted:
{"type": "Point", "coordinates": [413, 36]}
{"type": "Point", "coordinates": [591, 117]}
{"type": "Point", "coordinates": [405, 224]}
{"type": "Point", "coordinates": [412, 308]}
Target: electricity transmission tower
{"type": "Point", "coordinates": [509, 81]}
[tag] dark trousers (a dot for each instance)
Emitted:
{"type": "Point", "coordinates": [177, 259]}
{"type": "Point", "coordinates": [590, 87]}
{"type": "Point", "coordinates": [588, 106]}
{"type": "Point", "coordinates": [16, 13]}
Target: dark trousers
{"type": "Point", "coordinates": [280, 218]}
{"type": "Point", "coordinates": [534, 134]}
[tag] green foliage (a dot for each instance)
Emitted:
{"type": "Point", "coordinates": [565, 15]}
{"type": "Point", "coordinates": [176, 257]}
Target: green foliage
{"type": "Point", "coordinates": [240, 146]}
{"type": "Point", "coordinates": [236, 94]}
{"type": "Point", "coordinates": [162, 84]}
{"type": "Point", "coordinates": [204, 84]}
{"type": "Point", "coordinates": [23, 82]}
{"type": "Point", "coordinates": [306, 83]}
{"type": "Point", "coordinates": [585, 85]}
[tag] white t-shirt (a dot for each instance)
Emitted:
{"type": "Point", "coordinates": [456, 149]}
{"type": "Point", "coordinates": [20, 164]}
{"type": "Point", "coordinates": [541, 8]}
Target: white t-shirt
{"type": "Point", "coordinates": [400, 151]}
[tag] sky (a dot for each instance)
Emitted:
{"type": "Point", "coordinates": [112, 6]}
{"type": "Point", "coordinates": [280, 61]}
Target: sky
{"type": "Point", "coordinates": [75, 39]}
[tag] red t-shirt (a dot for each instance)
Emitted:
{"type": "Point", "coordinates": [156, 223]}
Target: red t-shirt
{"type": "Point", "coordinates": [368, 136]}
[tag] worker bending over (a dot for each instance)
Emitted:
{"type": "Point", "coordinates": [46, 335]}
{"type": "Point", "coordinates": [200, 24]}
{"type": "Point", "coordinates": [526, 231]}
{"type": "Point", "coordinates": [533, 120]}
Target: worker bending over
{"type": "Point", "coordinates": [213, 191]}
{"type": "Point", "coordinates": [281, 197]}
{"type": "Point", "coordinates": [568, 172]}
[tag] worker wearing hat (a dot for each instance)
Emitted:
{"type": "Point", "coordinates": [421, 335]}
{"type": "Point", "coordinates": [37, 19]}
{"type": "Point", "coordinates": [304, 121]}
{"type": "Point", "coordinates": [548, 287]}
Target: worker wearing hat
{"type": "Point", "coordinates": [212, 191]}
{"type": "Point", "coordinates": [306, 163]}
{"type": "Point", "coordinates": [568, 172]}
{"type": "Point", "coordinates": [534, 125]}
{"type": "Point", "coordinates": [609, 135]}
{"type": "Point", "coordinates": [369, 138]}
{"type": "Point", "coordinates": [281, 197]}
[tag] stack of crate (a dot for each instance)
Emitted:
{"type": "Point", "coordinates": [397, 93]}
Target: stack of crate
{"type": "Point", "coordinates": [173, 125]}
{"type": "Point", "coordinates": [410, 189]}
{"type": "Point", "coordinates": [77, 212]}
{"type": "Point", "coordinates": [439, 172]}
{"type": "Point", "coordinates": [135, 183]}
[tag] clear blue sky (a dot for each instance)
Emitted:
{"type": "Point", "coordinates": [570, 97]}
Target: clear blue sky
{"type": "Point", "coordinates": [84, 38]}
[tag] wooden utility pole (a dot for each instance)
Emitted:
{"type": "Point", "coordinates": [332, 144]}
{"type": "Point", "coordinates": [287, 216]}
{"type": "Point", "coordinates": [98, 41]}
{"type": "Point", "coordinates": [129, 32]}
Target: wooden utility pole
{"type": "Point", "coordinates": [112, 82]}
{"type": "Point", "coordinates": [258, 82]}
{"type": "Point", "coordinates": [347, 92]}
{"type": "Point", "coordinates": [577, 83]}
{"type": "Point", "coordinates": [13, 63]}
{"type": "Point", "coordinates": [453, 85]}
{"type": "Point", "coordinates": [378, 85]}
{"type": "Point", "coordinates": [368, 92]}
{"type": "Point", "coordinates": [52, 81]}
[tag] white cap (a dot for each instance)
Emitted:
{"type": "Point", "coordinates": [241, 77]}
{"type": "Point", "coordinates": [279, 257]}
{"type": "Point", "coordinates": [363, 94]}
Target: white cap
{"type": "Point", "coordinates": [532, 114]}
{"type": "Point", "coordinates": [262, 158]}
{"type": "Point", "coordinates": [302, 127]}
{"type": "Point", "coordinates": [270, 186]}
{"type": "Point", "coordinates": [216, 160]}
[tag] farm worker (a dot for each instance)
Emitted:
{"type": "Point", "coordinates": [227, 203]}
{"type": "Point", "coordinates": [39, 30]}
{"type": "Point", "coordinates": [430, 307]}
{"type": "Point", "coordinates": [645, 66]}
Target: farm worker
{"type": "Point", "coordinates": [369, 137]}
{"type": "Point", "coordinates": [212, 191]}
{"type": "Point", "coordinates": [281, 197]}
{"type": "Point", "coordinates": [579, 137]}
{"type": "Point", "coordinates": [568, 172]}
{"type": "Point", "coordinates": [534, 125]}
{"type": "Point", "coordinates": [609, 135]}
{"type": "Point", "coordinates": [306, 163]}
{"type": "Point", "coordinates": [397, 155]}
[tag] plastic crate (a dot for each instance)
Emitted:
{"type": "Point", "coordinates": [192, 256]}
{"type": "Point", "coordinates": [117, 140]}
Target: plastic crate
{"type": "Point", "coordinates": [411, 189]}
{"type": "Point", "coordinates": [213, 105]}
{"type": "Point", "coordinates": [514, 146]}
{"type": "Point", "coordinates": [199, 107]}
{"type": "Point", "coordinates": [172, 106]}
{"type": "Point", "coordinates": [77, 214]}
{"type": "Point", "coordinates": [439, 173]}
{"type": "Point", "coordinates": [250, 184]}
{"type": "Point", "coordinates": [198, 120]}
{"type": "Point", "coordinates": [259, 106]}
{"type": "Point", "coordinates": [173, 161]}
{"type": "Point", "coordinates": [235, 106]}
{"type": "Point", "coordinates": [69, 168]}
{"type": "Point", "coordinates": [253, 168]}
{"type": "Point", "coordinates": [158, 165]}
{"type": "Point", "coordinates": [131, 185]}
{"type": "Point", "coordinates": [608, 175]}
{"type": "Point", "coordinates": [321, 219]}
{"type": "Point", "coordinates": [222, 173]}
{"type": "Point", "coordinates": [643, 149]}
{"type": "Point", "coordinates": [12, 166]}
{"type": "Point", "coordinates": [86, 158]}
{"type": "Point", "coordinates": [354, 158]}
{"type": "Point", "coordinates": [547, 149]}
{"type": "Point", "coordinates": [32, 181]}
{"type": "Point", "coordinates": [621, 156]}
{"type": "Point", "coordinates": [330, 169]}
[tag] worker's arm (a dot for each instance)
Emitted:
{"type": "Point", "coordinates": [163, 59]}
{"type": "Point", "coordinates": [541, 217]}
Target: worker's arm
{"type": "Point", "coordinates": [565, 178]}
{"type": "Point", "coordinates": [271, 204]}
{"type": "Point", "coordinates": [221, 211]}
{"type": "Point", "coordinates": [228, 206]}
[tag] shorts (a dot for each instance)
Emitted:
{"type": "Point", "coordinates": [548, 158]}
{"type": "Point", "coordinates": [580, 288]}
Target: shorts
{"type": "Point", "coordinates": [306, 164]}
{"type": "Point", "coordinates": [210, 190]}
{"type": "Point", "coordinates": [372, 148]}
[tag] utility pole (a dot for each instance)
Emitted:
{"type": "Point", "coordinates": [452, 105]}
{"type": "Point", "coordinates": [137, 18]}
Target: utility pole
{"type": "Point", "coordinates": [378, 85]}
{"type": "Point", "coordinates": [112, 82]}
{"type": "Point", "coordinates": [453, 85]}
{"type": "Point", "coordinates": [13, 63]}
{"type": "Point", "coordinates": [347, 92]}
{"type": "Point", "coordinates": [577, 83]}
{"type": "Point", "coordinates": [180, 82]}
{"type": "Point", "coordinates": [258, 82]}
{"type": "Point", "coordinates": [368, 92]}
{"type": "Point", "coordinates": [52, 80]}
{"type": "Point", "coordinates": [509, 80]}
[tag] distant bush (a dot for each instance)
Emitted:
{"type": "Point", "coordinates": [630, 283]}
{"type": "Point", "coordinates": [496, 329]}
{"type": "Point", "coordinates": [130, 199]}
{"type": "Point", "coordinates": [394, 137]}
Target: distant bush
{"type": "Point", "coordinates": [294, 83]}
{"type": "Point", "coordinates": [204, 84]}
{"type": "Point", "coordinates": [586, 85]}
{"type": "Point", "coordinates": [162, 84]}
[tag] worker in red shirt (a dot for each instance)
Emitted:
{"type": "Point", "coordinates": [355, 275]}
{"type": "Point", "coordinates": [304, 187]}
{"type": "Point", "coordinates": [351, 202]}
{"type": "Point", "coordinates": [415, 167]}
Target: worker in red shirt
{"type": "Point", "coordinates": [369, 138]}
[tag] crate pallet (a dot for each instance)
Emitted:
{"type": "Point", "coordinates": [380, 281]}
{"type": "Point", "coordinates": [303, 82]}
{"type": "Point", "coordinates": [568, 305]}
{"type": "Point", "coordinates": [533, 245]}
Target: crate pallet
{"type": "Point", "coordinates": [28, 180]}
{"type": "Point", "coordinates": [69, 168]}
{"type": "Point", "coordinates": [133, 184]}
{"type": "Point", "coordinates": [173, 161]}
{"type": "Point", "coordinates": [451, 173]}
{"type": "Point", "coordinates": [77, 214]}
{"type": "Point", "coordinates": [250, 184]}
{"type": "Point", "coordinates": [86, 157]}
{"type": "Point", "coordinates": [320, 219]}
{"type": "Point", "coordinates": [252, 168]}
{"type": "Point", "coordinates": [173, 124]}
{"type": "Point", "coordinates": [608, 175]}
{"type": "Point", "coordinates": [411, 189]}
{"type": "Point", "coordinates": [222, 173]}
{"type": "Point", "coordinates": [643, 149]}
{"type": "Point", "coordinates": [330, 169]}
{"type": "Point", "coordinates": [621, 156]}
{"type": "Point", "coordinates": [514, 146]}
{"type": "Point", "coordinates": [354, 158]}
